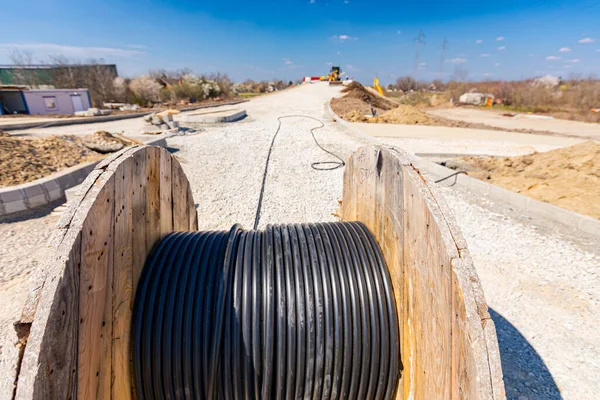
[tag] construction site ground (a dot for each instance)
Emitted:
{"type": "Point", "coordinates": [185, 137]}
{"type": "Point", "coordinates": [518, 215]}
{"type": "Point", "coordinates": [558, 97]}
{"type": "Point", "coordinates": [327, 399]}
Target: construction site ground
{"type": "Point", "coordinates": [496, 119]}
{"type": "Point", "coordinates": [540, 280]}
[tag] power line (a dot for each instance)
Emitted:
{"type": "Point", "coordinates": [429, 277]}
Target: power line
{"type": "Point", "coordinates": [444, 47]}
{"type": "Point", "coordinates": [419, 40]}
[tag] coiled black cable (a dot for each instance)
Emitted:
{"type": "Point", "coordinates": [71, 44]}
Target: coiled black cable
{"type": "Point", "coordinates": [293, 311]}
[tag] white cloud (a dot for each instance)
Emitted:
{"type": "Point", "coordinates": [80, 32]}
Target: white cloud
{"type": "Point", "coordinates": [339, 53]}
{"type": "Point", "coordinates": [479, 41]}
{"type": "Point", "coordinates": [552, 58]}
{"type": "Point", "coordinates": [456, 60]}
{"type": "Point", "coordinates": [329, 63]}
{"type": "Point", "coordinates": [423, 64]}
{"type": "Point", "coordinates": [352, 68]}
{"type": "Point", "coordinates": [564, 50]}
{"type": "Point", "coordinates": [500, 38]}
{"type": "Point", "coordinates": [40, 50]}
{"type": "Point", "coordinates": [573, 61]}
{"type": "Point", "coordinates": [497, 64]}
{"type": "Point", "coordinates": [501, 48]}
{"type": "Point", "coordinates": [288, 62]}
{"type": "Point", "coordinates": [312, 1]}
{"type": "Point", "coordinates": [344, 37]}
{"type": "Point", "coordinates": [485, 55]}
{"type": "Point", "coordinates": [487, 74]}
{"type": "Point", "coordinates": [587, 40]}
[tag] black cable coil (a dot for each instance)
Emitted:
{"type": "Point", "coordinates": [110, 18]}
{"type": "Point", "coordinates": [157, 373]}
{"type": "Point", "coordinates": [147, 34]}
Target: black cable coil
{"type": "Point", "coordinates": [294, 311]}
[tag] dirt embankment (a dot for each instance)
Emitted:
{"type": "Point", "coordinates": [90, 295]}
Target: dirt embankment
{"type": "Point", "coordinates": [567, 177]}
{"type": "Point", "coordinates": [359, 103]}
{"type": "Point", "coordinates": [24, 160]}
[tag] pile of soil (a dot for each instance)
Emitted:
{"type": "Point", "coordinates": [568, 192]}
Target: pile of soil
{"type": "Point", "coordinates": [24, 160]}
{"type": "Point", "coordinates": [357, 91]}
{"type": "Point", "coordinates": [345, 105]}
{"type": "Point", "coordinates": [403, 114]}
{"type": "Point", "coordinates": [567, 177]}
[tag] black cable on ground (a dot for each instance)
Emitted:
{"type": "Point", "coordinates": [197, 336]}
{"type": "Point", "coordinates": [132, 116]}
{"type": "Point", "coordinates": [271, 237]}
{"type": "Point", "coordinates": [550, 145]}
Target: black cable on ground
{"type": "Point", "coordinates": [455, 175]}
{"type": "Point", "coordinates": [292, 311]}
{"type": "Point", "coordinates": [319, 165]}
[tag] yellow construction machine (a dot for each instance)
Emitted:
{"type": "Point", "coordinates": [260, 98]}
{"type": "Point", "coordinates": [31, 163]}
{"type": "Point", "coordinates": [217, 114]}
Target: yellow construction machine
{"type": "Point", "coordinates": [335, 76]}
{"type": "Point", "coordinates": [377, 86]}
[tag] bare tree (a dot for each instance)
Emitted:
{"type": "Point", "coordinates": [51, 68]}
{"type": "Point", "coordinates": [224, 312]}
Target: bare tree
{"type": "Point", "coordinates": [406, 83]}
{"type": "Point", "coordinates": [22, 73]}
{"type": "Point", "coordinates": [460, 74]}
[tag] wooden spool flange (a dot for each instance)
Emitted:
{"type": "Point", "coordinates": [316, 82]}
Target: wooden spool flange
{"type": "Point", "coordinates": [79, 343]}
{"type": "Point", "coordinates": [448, 343]}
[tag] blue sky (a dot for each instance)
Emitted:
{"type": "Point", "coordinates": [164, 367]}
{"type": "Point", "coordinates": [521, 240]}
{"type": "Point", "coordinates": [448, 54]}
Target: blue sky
{"type": "Point", "coordinates": [288, 39]}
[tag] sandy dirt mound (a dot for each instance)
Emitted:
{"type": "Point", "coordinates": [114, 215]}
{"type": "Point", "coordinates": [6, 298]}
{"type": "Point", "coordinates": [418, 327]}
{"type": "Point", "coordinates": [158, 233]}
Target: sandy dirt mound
{"type": "Point", "coordinates": [25, 160]}
{"type": "Point", "coordinates": [567, 177]}
{"type": "Point", "coordinates": [345, 105]}
{"type": "Point", "coordinates": [358, 91]}
{"type": "Point", "coordinates": [403, 114]}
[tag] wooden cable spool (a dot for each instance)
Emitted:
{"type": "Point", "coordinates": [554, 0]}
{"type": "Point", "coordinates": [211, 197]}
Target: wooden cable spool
{"type": "Point", "coordinates": [79, 344]}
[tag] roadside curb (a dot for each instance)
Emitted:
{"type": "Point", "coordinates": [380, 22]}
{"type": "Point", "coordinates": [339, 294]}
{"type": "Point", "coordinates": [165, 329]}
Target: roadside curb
{"type": "Point", "coordinates": [104, 118]}
{"type": "Point", "coordinates": [31, 195]}
{"type": "Point", "coordinates": [527, 204]}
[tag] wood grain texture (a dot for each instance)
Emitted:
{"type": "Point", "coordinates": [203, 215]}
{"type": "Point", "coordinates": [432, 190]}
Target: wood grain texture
{"type": "Point", "coordinates": [122, 293]}
{"type": "Point", "coordinates": [49, 364]}
{"type": "Point", "coordinates": [80, 337]}
{"type": "Point", "coordinates": [166, 193]}
{"type": "Point", "coordinates": [138, 227]}
{"type": "Point", "coordinates": [448, 343]}
{"type": "Point", "coordinates": [181, 221]}
{"type": "Point", "coordinates": [153, 208]}
{"type": "Point", "coordinates": [95, 296]}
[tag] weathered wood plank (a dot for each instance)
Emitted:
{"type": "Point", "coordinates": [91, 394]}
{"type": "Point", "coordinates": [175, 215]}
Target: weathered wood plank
{"type": "Point", "coordinates": [153, 207]}
{"type": "Point", "coordinates": [166, 193]}
{"type": "Point", "coordinates": [429, 286]}
{"type": "Point", "coordinates": [122, 293]}
{"type": "Point", "coordinates": [50, 361]}
{"type": "Point", "coordinates": [448, 346]}
{"type": "Point", "coordinates": [138, 218]}
{"type": "Point", "coordinates": [95, 296]}
{"type": "Point", "coordinates": [181, 212]}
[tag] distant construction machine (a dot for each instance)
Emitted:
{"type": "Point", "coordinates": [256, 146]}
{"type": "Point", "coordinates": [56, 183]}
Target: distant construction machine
{"type": "Point", "coordinates": [335, 76]}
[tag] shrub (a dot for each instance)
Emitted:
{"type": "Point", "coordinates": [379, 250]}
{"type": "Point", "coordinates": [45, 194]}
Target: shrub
{"type": "Point", "coordinates": [145, 89]}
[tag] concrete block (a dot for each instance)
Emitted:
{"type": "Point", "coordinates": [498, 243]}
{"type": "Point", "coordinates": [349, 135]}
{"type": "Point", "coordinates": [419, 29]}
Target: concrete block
{"type": "Point", "coordinates": [67, 181]}
{"type": "Point", "coordinates": [507, 196]}
{"type": "Point", "coordinates": [36, 201]}
{"type": "Point", "coordinates": [33, 190]}
{"type": "Point", "coordinates": [14, 207]}
{"type": "Point", "coordinates": [51, 184]}
{"type": "Point", "coordinates": [589, 225]}
{"type": "Point", "coordinates": [9, 195]}
{"type": "Point", "coordinates": [55, 194]}
{"type": "Point", "coordinates": [213, 117]}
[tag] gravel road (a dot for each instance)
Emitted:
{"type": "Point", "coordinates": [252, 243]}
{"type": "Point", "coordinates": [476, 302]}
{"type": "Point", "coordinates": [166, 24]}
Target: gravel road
{"type": "Point", "coordinates": [541, 285]}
